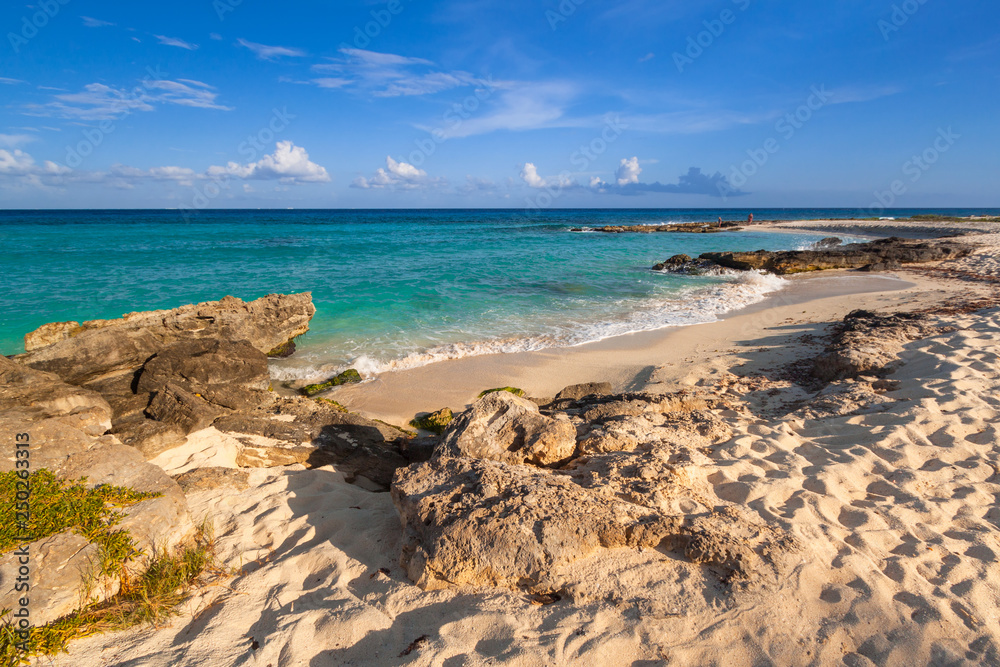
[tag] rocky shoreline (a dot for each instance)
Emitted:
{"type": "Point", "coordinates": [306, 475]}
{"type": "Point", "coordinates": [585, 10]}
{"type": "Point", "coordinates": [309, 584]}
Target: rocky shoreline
{"type": "Point", "coordinates": [642, 500]}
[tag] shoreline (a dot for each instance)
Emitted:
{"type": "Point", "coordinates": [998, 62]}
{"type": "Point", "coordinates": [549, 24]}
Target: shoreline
{"type": "Point", "coordinates": [646, 360]}
{"type": "Point", "coordinates": [629, 362]}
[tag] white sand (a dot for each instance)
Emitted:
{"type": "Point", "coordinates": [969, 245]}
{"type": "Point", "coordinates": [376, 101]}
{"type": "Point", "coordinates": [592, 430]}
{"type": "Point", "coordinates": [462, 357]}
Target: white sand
{"type": "Point", "coordinates": [896, 511]}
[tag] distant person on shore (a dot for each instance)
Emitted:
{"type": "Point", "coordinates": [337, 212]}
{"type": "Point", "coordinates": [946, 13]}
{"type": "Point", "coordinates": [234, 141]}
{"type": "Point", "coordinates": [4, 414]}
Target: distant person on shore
{"type": "Point", "coordinates": [750, 219]}
{"type": "Point", "coordinates": [720, 221]}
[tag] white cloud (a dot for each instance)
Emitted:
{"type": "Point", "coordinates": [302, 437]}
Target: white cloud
{"type": "Point", "coordinates": [173, 41]}
{"type": "Point", "coordinates": [628, 171]}
{"type": "Point", "coordinates": [20, 168]}
{"type": "Point", "coordinates": [95, 23]}
{"type": "Point", "coordinates": [265, 52]}
{"type": "Point", "coordinates": [529, 174]}
{"type": "Point", "coordinates": [531, 178]}
{"type": "Point", "coordinates": [15, 140]}
{"type": "Point", "coordinates": [520, 108]}
{"type": "Point", "coordinates": [98, 101]}
{"type": "Point", "coordinates": [215, 36]}
{"type": "Point", "coordinates": [331, 82]}
{"type": "Point", "coordinates": [397, 175]}
{"type": "Point", "coordinates": [648, 56]}
{"type": "Point", "coordinates": [473, 184]}
{"type": "Point", "coordinates": [289, 164]}
{"type": "Point", "coordinates": [391, 75]}
{"type": "Point", "coordinates": [10, 82]}
{"type": "Point", "coordinates": [375, 58]}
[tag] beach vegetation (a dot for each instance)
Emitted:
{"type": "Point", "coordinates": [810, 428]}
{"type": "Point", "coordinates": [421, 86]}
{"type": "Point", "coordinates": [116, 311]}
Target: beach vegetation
{"type": "Point", "coordinates": [148, 598]}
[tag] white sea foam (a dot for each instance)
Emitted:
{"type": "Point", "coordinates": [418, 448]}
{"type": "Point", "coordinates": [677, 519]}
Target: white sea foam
{"type": "Point", "coordinates": [697, 305]}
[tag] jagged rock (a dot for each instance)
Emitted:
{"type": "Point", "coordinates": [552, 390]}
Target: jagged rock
{"type": "Point", "coordinates": [175, 405]}
{"type": "Point", "coordinates": [298, 430]}
{"type": "Point", "coordinates": [868, 343]}
{"type": "Point", "coordinates": [475, 522]}
{"type": "Point", "coordinates": [851, 256]}
{"type": "Point", "coordinates": [676, 228]}
{"type": "Point", "coordinates": [102, 347]}
{"type": "Point", "coordinates": [674, 262]}
{"type": "Point", "coordinates": [578, 391]}
{"type": "Point", "coordinates": [33, 395]}
{"type": "Point", "coordinates": [232, 375]}
{"type": "Point", "coordinates": [209, 479]}
{"type": "Point", "coordinates": [829, 242]}
{"type": "Point", "coordinates": [504, 427]}
{"type": "Point", "coordinates": [149, 436]}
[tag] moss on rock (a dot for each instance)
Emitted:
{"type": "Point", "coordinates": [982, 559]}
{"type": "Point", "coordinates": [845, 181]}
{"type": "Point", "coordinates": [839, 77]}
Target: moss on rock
{"type": "Point", "coordinates": [435, 422]}
{"type": "Point", "coordinates": [350, 376]}
{"type": "Point", "coordinates": [512, 390]}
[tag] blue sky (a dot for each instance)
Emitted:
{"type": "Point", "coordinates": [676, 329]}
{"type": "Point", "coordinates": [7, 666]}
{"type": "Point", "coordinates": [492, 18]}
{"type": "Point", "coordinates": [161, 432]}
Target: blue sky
{"type": "Point", "coordinates": [489, 103]}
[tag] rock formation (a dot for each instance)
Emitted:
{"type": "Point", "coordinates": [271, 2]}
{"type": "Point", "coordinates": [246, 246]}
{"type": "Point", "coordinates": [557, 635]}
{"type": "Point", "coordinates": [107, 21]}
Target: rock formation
{"type": "Point", "coordinates": [493, 507]}
{"type": "Point", "coordinates": [67, 427]}
{"type": "Point", "coordinates": [880, 253]}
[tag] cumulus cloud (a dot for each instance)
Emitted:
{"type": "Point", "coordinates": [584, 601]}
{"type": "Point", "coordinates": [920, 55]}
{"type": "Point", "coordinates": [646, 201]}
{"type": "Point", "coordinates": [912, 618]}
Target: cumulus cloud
{"type": "Point", "coordinates": [265, 52]}
{"type": "Point", "coordinates": [531, 178]}
{"type": "Point", "coordinates": [20, 168]}
{"type": "Point", "coordinates": [397, 176]}
{"type": "Point", "coordinates": [173, 41]}
{"type": "Point", "coordinates": [628, 171]}
{"type": "Point", "coordinates": [289, 164]}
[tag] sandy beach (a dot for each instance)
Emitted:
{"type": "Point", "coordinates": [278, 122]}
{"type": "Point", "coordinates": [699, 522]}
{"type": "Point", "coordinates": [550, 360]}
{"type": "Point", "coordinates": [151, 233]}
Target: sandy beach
{"type": "Point", "coordinates": [888, 494]}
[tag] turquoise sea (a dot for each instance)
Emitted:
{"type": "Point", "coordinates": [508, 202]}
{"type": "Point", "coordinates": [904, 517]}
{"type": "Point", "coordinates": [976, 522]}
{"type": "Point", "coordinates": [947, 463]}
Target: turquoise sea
{"type": "Point", "coordinates": [393, 288]}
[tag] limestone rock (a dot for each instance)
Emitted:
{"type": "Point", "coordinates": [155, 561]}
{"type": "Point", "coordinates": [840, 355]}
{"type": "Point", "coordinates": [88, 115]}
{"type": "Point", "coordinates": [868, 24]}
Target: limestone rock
{"type": "Point", "coordinates": [59, 563]}
{"type": "Point", "coordinates": [105, 347]}
{"type": "Point", "coordinates": [867, 342]}
{"type": "Point", "coordinates": [504, 427]}
{"type": "Point", "coordinates": [36, 395]}
{"type": "Point", "coordinates": [209, 479]}
{"type": "Point", "coordinates": [435, 422]}
{"type": "Point", "coordinates": [475, 522]}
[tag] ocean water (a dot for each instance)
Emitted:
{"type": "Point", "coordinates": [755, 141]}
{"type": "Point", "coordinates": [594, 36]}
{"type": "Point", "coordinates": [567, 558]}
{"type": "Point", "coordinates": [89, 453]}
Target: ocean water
{"type": "Point", "coordinates": [393, 289]}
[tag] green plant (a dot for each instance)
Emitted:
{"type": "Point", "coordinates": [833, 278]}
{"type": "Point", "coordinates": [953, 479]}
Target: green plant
{"type": "Point", "coordinates": [512, 390]}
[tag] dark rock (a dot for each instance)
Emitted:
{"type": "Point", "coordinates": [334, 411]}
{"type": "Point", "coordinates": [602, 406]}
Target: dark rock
{"type": "Point", "coordinates": [418, 450]}
{"type": "Point", "coordinates": [852, 256]}
{"type": "Point", "coordinates": [283, 351]}
{"type": "Point", "coordinates": [173, 404]}
{"type": "Point", "coordinates": [314, 434]}
{"type": "Point", "coordinates": [889, 265]}
{"type": "Point", "coordinates": [578, 391]}
{"type": "Point", "coordinates": [829, 242]}
{"type": "Point", "coordinates": [149, 436]}
{"type": "Point", "coordinates": [230, 375]}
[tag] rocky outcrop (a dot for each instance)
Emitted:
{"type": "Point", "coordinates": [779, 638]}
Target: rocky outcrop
{"type": "Point", "coordinates": [868, 343]}
{"type": "Point", "coordinates": [314, 433]}
{"type": "Point", "coordinates": [504, 427]}
{"type": "Point", "coordinates": [79, 353]}
{"type": "Point", "coordinates": [167, 373]}
{"type": "Point", "coordinates": [474, 522]}
{"type": "Point", "coordinates": [67, 428]}
{"type": "Point", "coordinates": [435, 422]}
{"type": "Point", "coordinates": [578, 391]}
{"type": "Point", "coordinates": [883, 252]}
